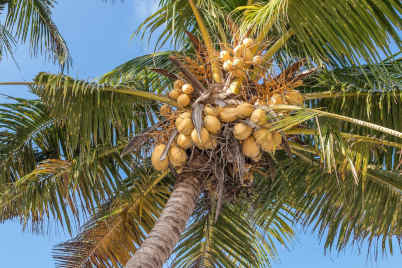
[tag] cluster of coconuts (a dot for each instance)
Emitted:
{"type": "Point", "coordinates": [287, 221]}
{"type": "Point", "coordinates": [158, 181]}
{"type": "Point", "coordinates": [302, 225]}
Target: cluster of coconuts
{"type": "Point", "coordinates": [250, 127]}
{"type": "Point", "coordinates": [181, 93]}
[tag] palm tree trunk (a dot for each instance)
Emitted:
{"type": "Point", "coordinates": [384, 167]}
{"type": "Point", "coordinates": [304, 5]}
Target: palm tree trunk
{"type": "Point", "coordinates": [158, 246]}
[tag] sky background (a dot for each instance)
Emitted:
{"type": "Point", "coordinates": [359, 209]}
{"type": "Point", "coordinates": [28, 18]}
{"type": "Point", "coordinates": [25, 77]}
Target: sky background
{"type": "Point", "coordinates": [98, 35]}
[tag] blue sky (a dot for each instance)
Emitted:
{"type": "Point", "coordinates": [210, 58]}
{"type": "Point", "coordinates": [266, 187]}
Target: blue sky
{"type": "Point", "coordinates": [98, 35]}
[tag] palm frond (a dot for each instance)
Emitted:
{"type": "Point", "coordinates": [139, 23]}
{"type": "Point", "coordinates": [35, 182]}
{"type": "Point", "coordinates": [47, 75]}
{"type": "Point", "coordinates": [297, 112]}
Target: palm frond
{"type": "Point", "coordinates": [32, 20]}
{"type": "Point", "coordinates": [110, 237]}
{"type": "Point", "coordinates": [7, 42]}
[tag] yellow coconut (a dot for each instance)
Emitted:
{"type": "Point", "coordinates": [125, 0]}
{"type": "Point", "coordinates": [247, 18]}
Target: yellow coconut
{"type": "Point", "coordinates": [185, 115]}
{"type": "Point", "coordinates": [250, 148]}
{"type": "Point", "coordinates": [210, 110]}
{"type": "Point", "coordinates": [294, 97]}
{"type": "Point", "coordinates": [235, 86]}
{"type": "Point", "coordinates": [155, 158]}
{"type": "Point", "coordinates": [276, 139]}
{"type": "Point", "coordinates": [238, 73]}
{"type": "Point", "coordinates": [187, 89]}
{"type": "Point", "coordinates": [248, 42]}
{"type": "Point", "coordinates": [238, 51]}
{"type": "Point", "coordinates": [177, 156]}
{"type": "Point", "coordinates": [244, 110]}
{"type": "Point", "coordinates": [262, 136]}
{"type": "Point", "coordinates": [178, 84]}
{"type": "Point", "coordinates": [228, 114]}
{"type": "Point", "coordinates": [257, 60]}
{"type": "Point", "coordinates": [259, 117]}
{"type": "Point", "coordinates": [257, 158]}
{"type": "Point", "coordinates": [212, 124]}
{"type": "Point", "coordinates": [174, 94]}
{"type": "Point", "coordinates": [276, 99]}
{"type": "Point", "coordinates": [228, 65]}
{"type": "Point", "coordinates": [183, 100]}
{"type": "Point", "coordinates": [205, 138]}
{"type": "Point", "coordinates": [184, 141]}
{"type": "Point", "coordinates": [248, 55]}
{"type": "Point", "coordinates": [237, 63]}
{"type": "Point", "coordinates": [184, 125]}
{"type": "Point", "coordinates": [224, 55]}
{"type": "Point", "coordinates": [165, 110]}
{"type": "Point", "coordinates": [242, 131]}
{"type": "Point", "coordinates": [211, 144]}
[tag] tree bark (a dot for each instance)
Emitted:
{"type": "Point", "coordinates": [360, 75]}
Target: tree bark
{"type": "Point", "coordinates": [157, 247]}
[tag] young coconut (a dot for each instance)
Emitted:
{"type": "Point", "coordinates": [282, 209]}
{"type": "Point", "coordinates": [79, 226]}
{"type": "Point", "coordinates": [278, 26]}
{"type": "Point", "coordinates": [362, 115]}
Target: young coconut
{"type": "Point", "coordinates": [250, 148]}
{"type": "Point", "coordinates": [259, 117]}
{"type": "Point", "coordinates": [205, 138]}
{"type": "Point", "coordinates": [165, 110]}
{"type": "Point", "coordinates": [224, 55]}
{"type": "Point", "coordinates": [187, 89]}
{"type": "Point", "coordinates": [212, 124]}
{"type": "Point", "coordinates": [257, 60]}
{"type": "Point", "coordinates": [178, 84]}
{"type": "Point", "coordinates": [174, 94]}
{"type": "Point", "coordinates": [183, 100]}
{"type": "Point", "coordinates": [237, 63]}
{"type": "Point", "coordinates": [248, 42]}
{"type": "Point", "coordinates": [184, 124]}
{"type": "Point", "coordinates": [294, 97]}
{"type": "Point", "coordinates": [177, 156]}
{"type": "Point", "coordinates": [244, 110]}
{"type": "Point", "coordinates": [238, 51]}
{"type": "Point", "coordinates": [242, 131]}
{"type": "Point", "coordinates": [263, 136]}
{"type": "Point", "coordinates": [228, 65]}
{"type": "Point", "coordinates": [228, 114]}
{"type": "Point", "coordinates": [276, 99]}
{"type": "Point", "coordinates": [157, 163]}
{"type": "Point", "coordinates": [276, 139]}
{"type": "Point", "coordinates": [184, 141]}
{"type": "Point", "coordinates": [210, 110]}
{"type": "Point", "coordinates": [211, 144]}
{"type": "Point", "coordinates": [234, 87]}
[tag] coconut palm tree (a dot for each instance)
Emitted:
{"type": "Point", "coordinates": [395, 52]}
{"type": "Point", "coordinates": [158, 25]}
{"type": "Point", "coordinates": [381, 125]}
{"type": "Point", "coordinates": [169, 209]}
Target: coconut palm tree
{"type": "Point", "coordinates": [29, 21]}
{"type": "Point", "coordinates": [279, 127]}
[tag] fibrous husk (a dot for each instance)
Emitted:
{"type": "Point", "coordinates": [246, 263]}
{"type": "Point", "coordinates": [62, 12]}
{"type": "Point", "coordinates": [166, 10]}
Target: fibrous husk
{"type": "Point", "coordinates": [157, 163]}
{"type": "Point", "coordinates": [244, 110]}
{"type": "Point", "coordinates": [174, 94]}
{"type": "Point", "coordinates": [212, 124]}
{"type": "Point", "coordinates": [210, 110]}
{"type": "Point", "coordinates": [187, 89]}
{"type": "Point", "coordinates": [276, 99]}
{"type": "Point", "coordinates": [183, 100]}
{"type": "Point", "coordinates": [184, 124]}
{"type": "Point", "coordinates": [250, 148]}
{"type": "Point", "coordinates": [242, 131]}
{"type": "Point", "coordinates": [165, 110]}
{"type": "Point", "coordinates": [184, 141]}
{"type": "Point", "coordinates": [259, 117]}
{"type": "Point", "coordinates": [228, 114]}
{"type": "Point", "coordinates": [294, 97]}
{"type": "Point", "coordinates": [178, 84]}
{"type": "Point", "coordinates": [202, 141]}
{"type": "Point", "coordinates": [177, 156]}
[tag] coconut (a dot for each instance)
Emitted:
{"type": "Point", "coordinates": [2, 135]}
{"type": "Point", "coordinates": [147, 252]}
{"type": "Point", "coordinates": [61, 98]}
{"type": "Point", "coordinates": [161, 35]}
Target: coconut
{"type": "Point", "coordinates": [250, 148]}
{"type": "Point", "coordinates": [210, 110]}
{"type": "Point", "coordinates": [237, 63]}
{"type": "Point", "coordinates": [244, 110]}
{"type": "Point", "coordinates": [242, 131]}
{"type": "Point", "coordinates": [187, 89]}
{"type": "Point", "coordinates": [235, 86]}
{"type": "Point", "coordinates": [258, 157]}
{"type": "Point", "coordinates": [228, 65]}
{"type": "Point", "coordinates": [263, 136]}
{"type": "Point", "coordinates": [183, 100]}
{"type": "Point", "coordinates": [165, 110]}
{"type": "Point", "coordinates": [177, 156]}
{"type": "Point", "coordinates": [224, 55]}
{"type": "Point", "coordinates": [211, 144]}
{"type": "Point", "coordinates": [185, 115]}
{"type": "Point", "coordinates": [276, 139]}
{"type": "Point", "coordinates": [178, 84]}
{"type": "Point", "coordinates": [248, 42]}
{"type": "Point", "coordinates": [212, 124]}
{"type": "Point", "coordinates": [157, 163]}
{"type": "Point", "coordinates": [276, 99]}
{"type": "Point", "coordinates": [174, 94]}
{"type": "Point", "coordinates": [205, 138]}
{"type": "Point", "coordinates": [294, 97]}
{"type": "Point", "coordinates": [259, 117]}
{"type": "Point", "coordinates": [257, 60]}
{"type": "Point", "coordinates": [238, 51]}
{"type": "Point", "coordinates": [248, 54]}
{"type": "Point", "coordinates": [228, 114]}
{"type": "Point", "coordinates": [184, 141]}
{"type": "Point", "coordinates": [238, 73]}
{"type": "Point", "coordinates": [184, 125]}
